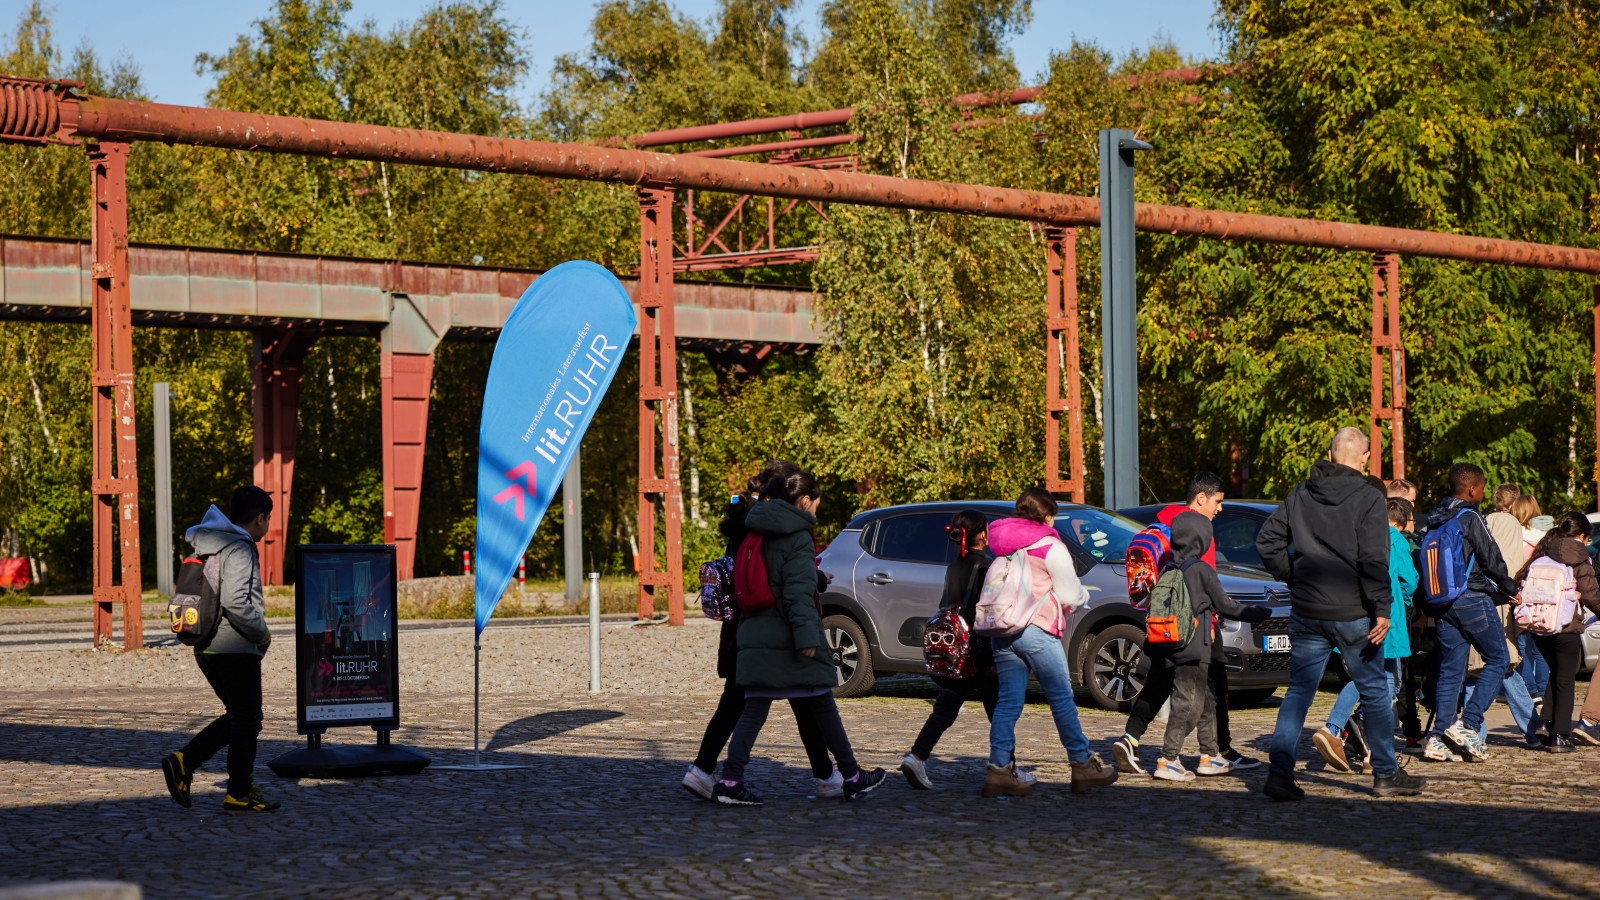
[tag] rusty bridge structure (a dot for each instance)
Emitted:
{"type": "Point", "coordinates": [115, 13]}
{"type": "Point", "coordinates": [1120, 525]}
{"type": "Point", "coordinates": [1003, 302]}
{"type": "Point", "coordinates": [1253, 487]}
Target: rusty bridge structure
{"type": "Point", "coordinates": [46, 111]}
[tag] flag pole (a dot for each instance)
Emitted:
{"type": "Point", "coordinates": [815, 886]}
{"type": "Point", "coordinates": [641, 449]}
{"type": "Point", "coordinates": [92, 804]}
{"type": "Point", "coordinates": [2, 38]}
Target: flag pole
{"type": "Point", "coordinates": [477, 651]}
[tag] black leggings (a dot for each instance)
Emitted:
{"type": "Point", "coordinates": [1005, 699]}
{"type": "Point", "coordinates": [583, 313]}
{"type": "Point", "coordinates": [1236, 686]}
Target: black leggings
{"type": "Point", "coordinates": [1563, 652]}
{"type": "Point", "coordinates": [947, 706]}
{"type": "Point", "coordinates": [822, 714]}
{"type": "Point", "coordinates": [236, 679]}
{"type": "Point", "coordinates": [729, 707]}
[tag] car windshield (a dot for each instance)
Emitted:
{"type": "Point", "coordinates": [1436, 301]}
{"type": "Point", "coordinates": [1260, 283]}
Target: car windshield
{"type": "Point", "coordinates": [1103, 535]}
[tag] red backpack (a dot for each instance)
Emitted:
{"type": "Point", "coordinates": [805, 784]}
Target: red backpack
{"type": "Point", "coordinates": [1149, 554]}
{"type": "Point", "coordinates": [751, 590]}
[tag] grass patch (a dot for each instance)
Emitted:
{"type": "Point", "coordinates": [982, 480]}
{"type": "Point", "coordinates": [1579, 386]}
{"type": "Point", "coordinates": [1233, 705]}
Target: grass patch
{"type": "Point", "coordinates": [17, 598]}
{"type": "Point", "coordinates": [451, 597]}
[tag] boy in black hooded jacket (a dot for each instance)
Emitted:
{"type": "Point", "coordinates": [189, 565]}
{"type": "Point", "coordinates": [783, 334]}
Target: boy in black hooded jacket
{"type": "Point", "coordinates": [1193, 703]}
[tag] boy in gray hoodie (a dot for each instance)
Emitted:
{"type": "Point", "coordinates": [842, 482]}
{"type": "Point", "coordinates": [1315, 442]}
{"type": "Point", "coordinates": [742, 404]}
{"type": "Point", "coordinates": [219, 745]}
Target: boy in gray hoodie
{"type": "Point", "coordinates": [231, 659]}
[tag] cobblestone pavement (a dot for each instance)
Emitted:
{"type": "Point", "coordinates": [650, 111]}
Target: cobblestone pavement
{"type": "Point", "coordinates": [599, 811]}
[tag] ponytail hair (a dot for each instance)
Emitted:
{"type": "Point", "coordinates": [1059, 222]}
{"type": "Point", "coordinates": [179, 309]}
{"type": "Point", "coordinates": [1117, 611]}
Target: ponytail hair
{"type": "Point", "coordinates": [1037, 505]}
{"type": "Point", "coordinates": [964, 526]}
{"type": "Point", "coordinates": [732, 525]}
{"type": "Point", "coordinates": [1571, 525]}
{"type": "Point", "coordinates": [790, 483]}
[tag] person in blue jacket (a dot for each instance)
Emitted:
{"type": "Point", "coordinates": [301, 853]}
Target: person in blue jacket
{"type": "Point", "coordinates": [1329, 739]}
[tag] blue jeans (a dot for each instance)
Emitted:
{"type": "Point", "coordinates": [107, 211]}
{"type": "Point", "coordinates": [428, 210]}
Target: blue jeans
{"type": "Point", "coordinates": [1311, 642]}
{"type": "Point", "coordinates": [1534, 670]}
{"type": "Point", "coordinates": [1349, 695]}
{"type": "Point", "coordinates": [1041, 652]}
{"type": "Point", "coordinates": [1471, 621]}
{"type": "Point", "coordinates": [1515, 693]}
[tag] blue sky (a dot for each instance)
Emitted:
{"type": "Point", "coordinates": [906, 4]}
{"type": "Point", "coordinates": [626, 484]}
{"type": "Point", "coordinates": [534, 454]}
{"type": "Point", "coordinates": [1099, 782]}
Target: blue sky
{"type": "Point", "coordinates": [163, 36]}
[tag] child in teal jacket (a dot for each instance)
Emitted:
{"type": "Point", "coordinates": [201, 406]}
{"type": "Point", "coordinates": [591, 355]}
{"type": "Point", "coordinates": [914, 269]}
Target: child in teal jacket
{"type": "Point", "coordinates": [1329, 739]}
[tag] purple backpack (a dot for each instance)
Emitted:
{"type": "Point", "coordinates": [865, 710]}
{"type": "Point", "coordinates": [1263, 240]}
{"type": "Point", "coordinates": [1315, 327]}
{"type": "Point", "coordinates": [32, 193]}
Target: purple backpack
{"type": "Point", "coordinates": [716, 589]}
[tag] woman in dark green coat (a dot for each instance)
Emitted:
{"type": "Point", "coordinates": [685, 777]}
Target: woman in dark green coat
{"type": "Point", "coordinates": [782, 651]}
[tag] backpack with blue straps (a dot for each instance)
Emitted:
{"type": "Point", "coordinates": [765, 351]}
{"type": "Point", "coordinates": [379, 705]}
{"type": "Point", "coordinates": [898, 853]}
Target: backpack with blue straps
{"type": "Point", "coordinates": [1445, 563]}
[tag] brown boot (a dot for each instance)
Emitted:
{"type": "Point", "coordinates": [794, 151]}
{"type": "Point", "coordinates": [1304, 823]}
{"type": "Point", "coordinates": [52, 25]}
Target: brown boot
{"type": "Point", "coordinates": [1089, 774]}
{"type": "Point", "coordinates": [1003, 782]}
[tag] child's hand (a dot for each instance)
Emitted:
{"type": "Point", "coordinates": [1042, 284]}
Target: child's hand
{"type": "Point", "coordinates": [808, 652]}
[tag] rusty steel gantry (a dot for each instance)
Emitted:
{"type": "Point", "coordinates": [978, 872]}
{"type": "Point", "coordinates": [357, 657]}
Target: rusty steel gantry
{"type": "Point", "coordinates": [45, 111]}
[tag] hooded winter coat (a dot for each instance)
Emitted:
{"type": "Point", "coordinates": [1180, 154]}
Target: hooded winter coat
{"type": "Point", "coordinates": [1191, 537]}
{"type": "Point", "coordinates": [242, 627]}
{"type": "Point", "coordinates": [1488, 569]}
{"type": "Point", "coordinates": [1338, 525]}
{"type": "Point", "coordinates": [770, 640]}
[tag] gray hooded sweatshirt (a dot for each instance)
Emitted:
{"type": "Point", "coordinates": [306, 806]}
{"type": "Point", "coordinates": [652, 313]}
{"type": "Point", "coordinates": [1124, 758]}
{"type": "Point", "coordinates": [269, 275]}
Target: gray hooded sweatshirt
{"type": "Point", "coordinates": [236, 566]}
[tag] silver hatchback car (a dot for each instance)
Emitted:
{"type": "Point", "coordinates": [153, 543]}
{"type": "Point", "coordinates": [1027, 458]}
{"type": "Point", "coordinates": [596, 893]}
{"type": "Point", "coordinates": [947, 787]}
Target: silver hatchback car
{"type": "Point", "coordinates": [887, 569]}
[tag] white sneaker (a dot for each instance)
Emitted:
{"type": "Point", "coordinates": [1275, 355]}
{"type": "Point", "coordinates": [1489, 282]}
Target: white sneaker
{"type": "Point", "coordinates": [1212, 765]}
{"type": "Point", "coordinates": [698, 783]}
{"type": "Point", "coordinates": [1025, 776]}
{"type": "Point", "coordinates": [916, 772]}
{"type": "Point", "coordinates": [832, 786]}
{"type": "Point", "coordinates": [1172, 770]}
{"type": "Point", "coordinates": [1435, 750]}
{"type": "Point", "coordinates": [1465, 742]}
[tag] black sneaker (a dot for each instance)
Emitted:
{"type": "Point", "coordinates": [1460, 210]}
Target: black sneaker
{"type": "Point", "coordinates": [1282, 787]}
{"type": "Point", "coordinates": [1238, 761]}
{"type": "Point", "coordinates": [735, 794]}
{"type": "Point", "coordinates": [1560, 743]}
{"type": "Point", "coordinates": [864, 782]}
{"type": "Point", "coordinates": [179, 778]}
{"type": "Point", "coordinates": [254, 802]}
{"type": "Point", "coordinates": [1401, 783]}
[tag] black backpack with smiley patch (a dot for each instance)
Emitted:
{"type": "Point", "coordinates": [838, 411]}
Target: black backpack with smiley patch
{"type": "Point", "coordinates": [196, 607]}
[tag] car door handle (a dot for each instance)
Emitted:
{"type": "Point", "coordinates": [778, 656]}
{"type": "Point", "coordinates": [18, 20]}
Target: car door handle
{"type": "Point", "coordinates": [880, 578]}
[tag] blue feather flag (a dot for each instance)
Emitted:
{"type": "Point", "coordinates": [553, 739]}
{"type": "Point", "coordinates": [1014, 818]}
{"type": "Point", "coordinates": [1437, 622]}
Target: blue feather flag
{"type": "Point", "coordinates": [556, 356]}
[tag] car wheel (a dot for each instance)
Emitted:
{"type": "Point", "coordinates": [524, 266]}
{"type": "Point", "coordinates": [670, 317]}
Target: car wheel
{"type": "Point", "coordinates": [848, 644]}
{"type": "Point", "coordinates": [1249, 698]}
{"type": "Point", "coordinates": [1110, 666]}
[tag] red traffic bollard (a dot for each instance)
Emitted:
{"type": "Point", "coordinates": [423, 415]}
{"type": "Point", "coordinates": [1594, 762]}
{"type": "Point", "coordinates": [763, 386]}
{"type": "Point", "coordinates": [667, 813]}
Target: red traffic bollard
{"type": "Point", "coordinates": [466, 562]}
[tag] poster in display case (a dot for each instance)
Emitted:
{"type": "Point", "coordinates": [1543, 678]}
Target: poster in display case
{"type": "Point", "coordinates": [347, 661]}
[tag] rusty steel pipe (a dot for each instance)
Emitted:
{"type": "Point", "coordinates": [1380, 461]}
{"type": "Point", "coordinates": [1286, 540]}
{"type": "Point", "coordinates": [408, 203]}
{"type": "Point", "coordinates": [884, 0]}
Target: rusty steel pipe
{"type": "Point", "coordinates": [131, 120]}
{"type": "Point", "coordinates": [801, 121]}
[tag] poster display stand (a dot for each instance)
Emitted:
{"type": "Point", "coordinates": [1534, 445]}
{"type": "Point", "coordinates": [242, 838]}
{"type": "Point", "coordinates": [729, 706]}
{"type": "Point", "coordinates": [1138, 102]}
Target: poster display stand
{"type": "Point", "coordinates": [347, 662]}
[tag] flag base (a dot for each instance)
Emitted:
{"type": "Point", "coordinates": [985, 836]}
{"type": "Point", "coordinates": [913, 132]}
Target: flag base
{"type": "Point", "coordinates": [329, 761]}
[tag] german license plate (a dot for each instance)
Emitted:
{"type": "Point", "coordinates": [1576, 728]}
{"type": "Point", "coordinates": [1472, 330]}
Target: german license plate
{"type": "Point", "coordinates": [1275, 643]}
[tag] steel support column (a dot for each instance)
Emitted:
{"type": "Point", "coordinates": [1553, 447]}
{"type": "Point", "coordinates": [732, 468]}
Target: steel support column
{"type": "Point", "coordinates": [407, 386]}
{"type": "Point", "coordinates": [1061, 349]}
{"type": "Point", "coordinates": [1386, 342]}
{"type": "Point", "coordinates": [276, 361]}
{"type": "Point", "coordinates": [658, 403]}
{"type": "Point", "coordinates": [115, 482]}
{"type": "Point", "coordinates": [1119, 319]}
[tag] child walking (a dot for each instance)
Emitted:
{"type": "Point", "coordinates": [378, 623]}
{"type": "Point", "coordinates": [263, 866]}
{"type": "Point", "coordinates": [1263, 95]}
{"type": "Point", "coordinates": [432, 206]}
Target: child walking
{"type": "Point", "coordinates": [778, 646]}
{"type": "Point", "coordinates": [1193, 701]}
{"type": "Point", "coordinates": [963, 582]}
{"type": "Point", "coordinates": [1567, 545]}
{"type": "Point", "coordinates": [1330, 738]}
{"type": "Point", "coordinates": [1037, 649]}
{"type": "Point", "coordinates": [699, 780]}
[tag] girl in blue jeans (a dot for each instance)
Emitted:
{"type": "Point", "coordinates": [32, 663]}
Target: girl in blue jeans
{"type": "Point", "coordinates": [1037, 649]}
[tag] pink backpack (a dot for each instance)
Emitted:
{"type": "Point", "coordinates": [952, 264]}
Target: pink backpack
{"type": "Point", "coordinates": [1013, 590]}
{"type": "Point", "coordinates": [1549, 597]}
